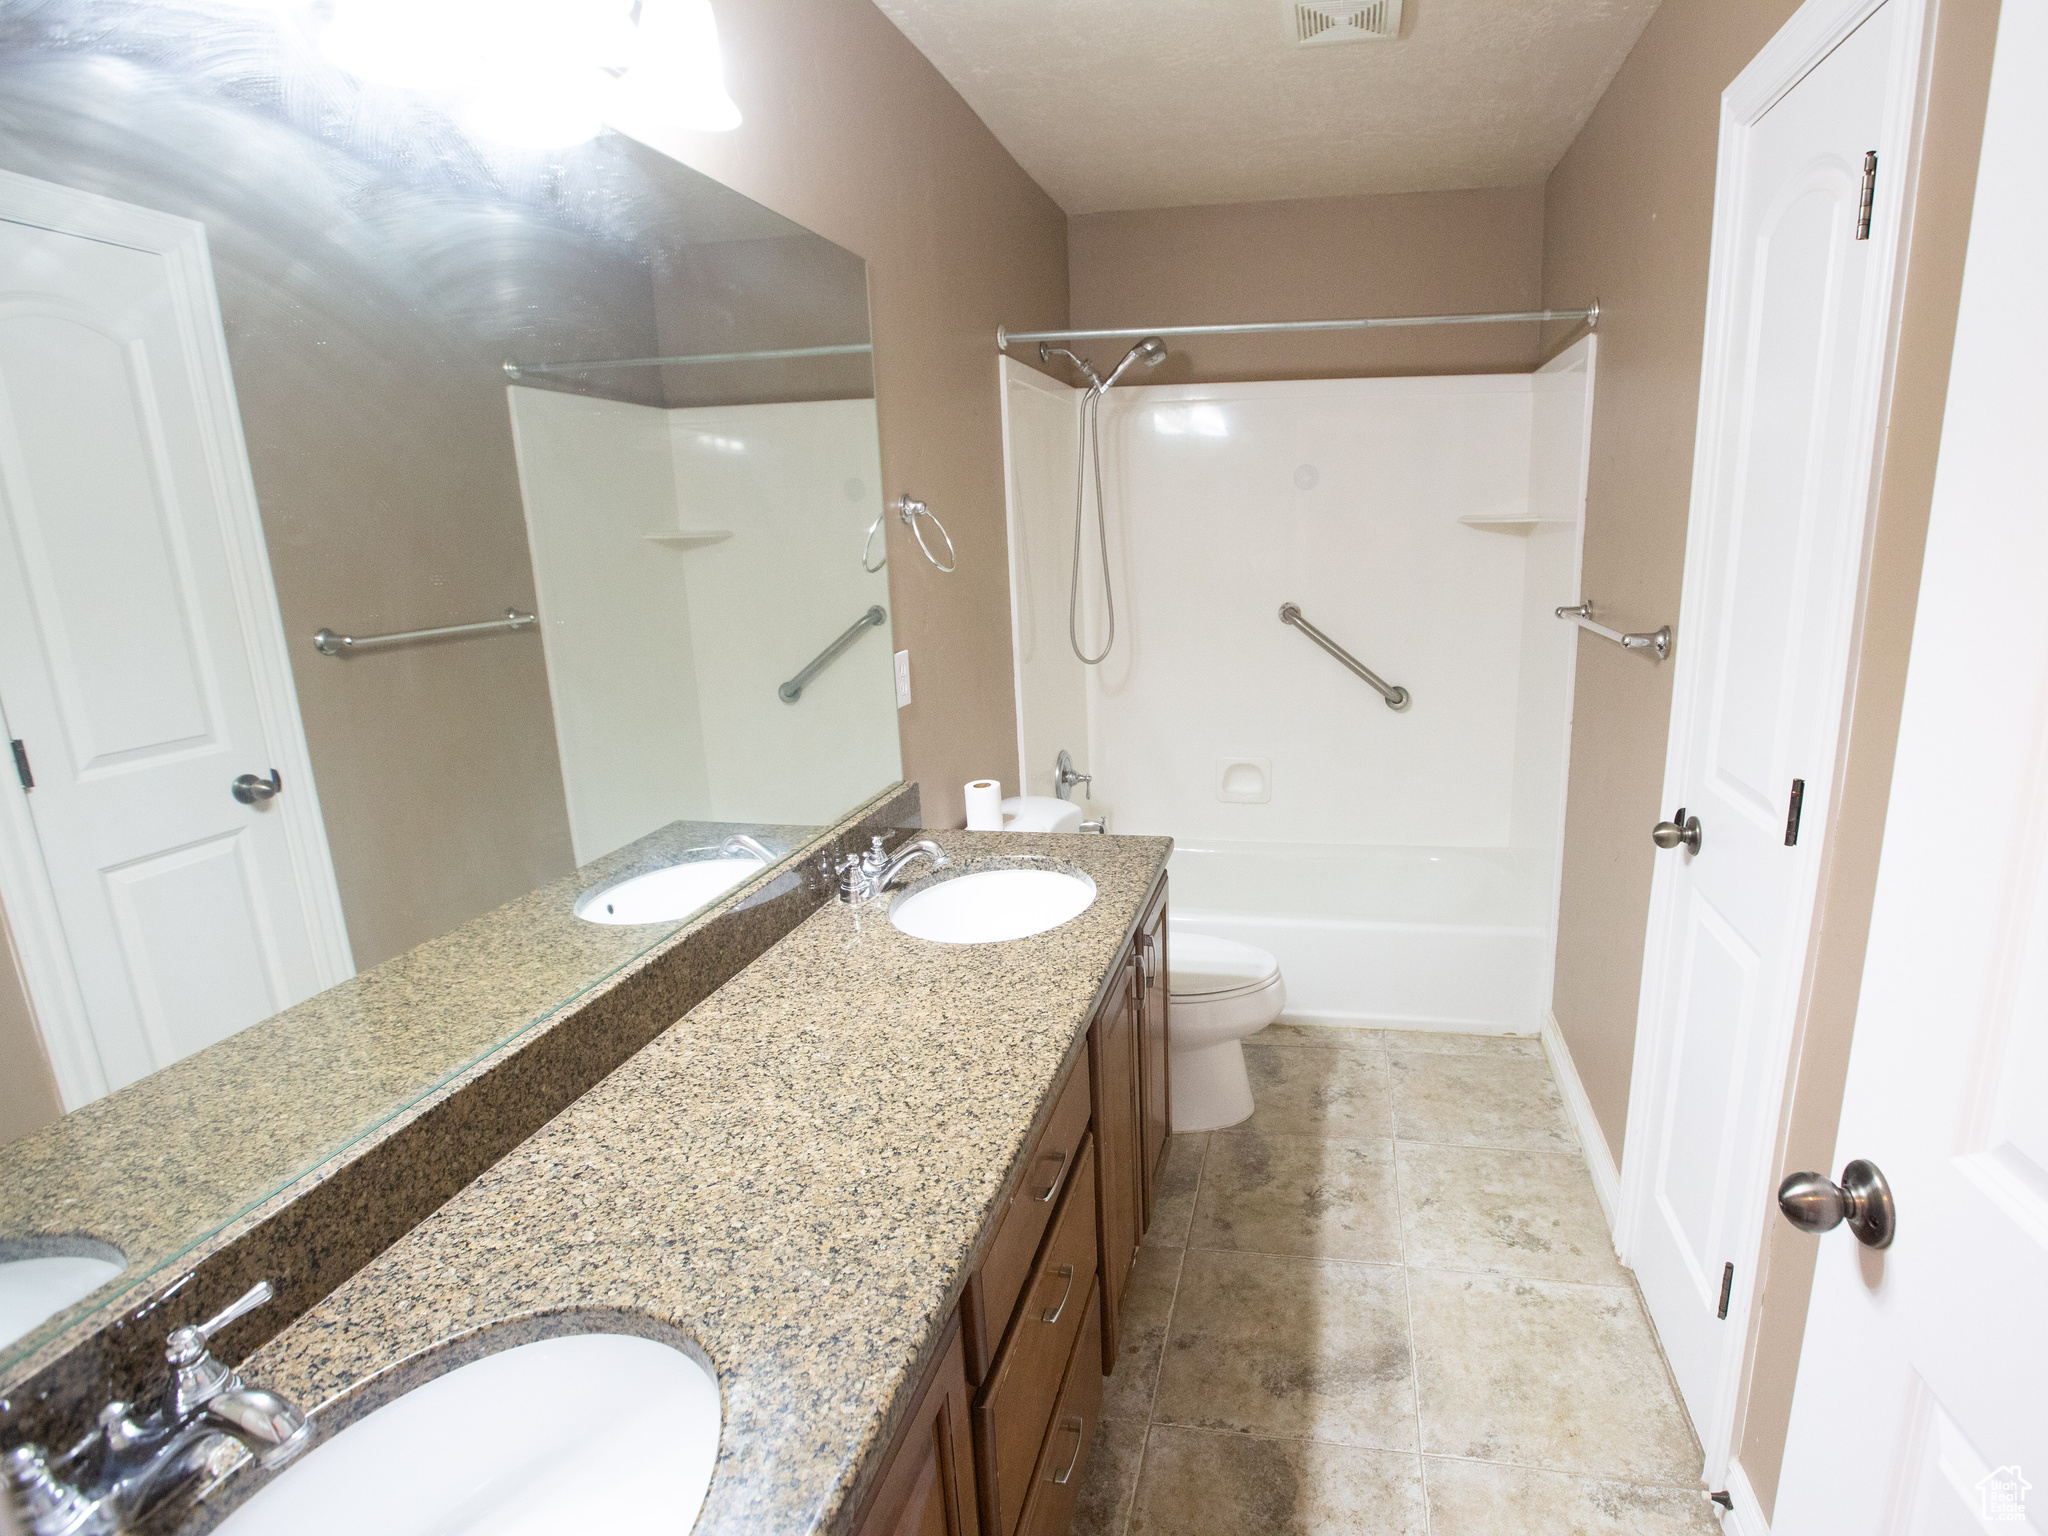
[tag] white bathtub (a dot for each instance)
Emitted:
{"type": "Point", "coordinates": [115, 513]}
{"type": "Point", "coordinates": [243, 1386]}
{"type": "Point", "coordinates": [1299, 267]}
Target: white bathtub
{"type": "Point", "coordinates": [1421, 938]}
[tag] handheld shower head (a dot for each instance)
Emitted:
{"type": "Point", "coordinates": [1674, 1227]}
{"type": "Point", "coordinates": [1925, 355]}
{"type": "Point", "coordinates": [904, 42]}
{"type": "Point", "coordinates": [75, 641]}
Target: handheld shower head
{"type": "Point", "coordinates": [1151, 352]}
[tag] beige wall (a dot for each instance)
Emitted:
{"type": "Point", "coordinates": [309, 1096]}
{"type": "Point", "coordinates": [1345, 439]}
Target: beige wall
{"type": "Point", "coordinates": [852, 133]}
{"type": "Point", "coordinates": [28, 1089]}
{"type": "Point", "coordinates": [1628, 214]}
{"type": "Point", "coordinates": [1948, 180]}
{"type": "Point", "coordinates": [1415, 253]}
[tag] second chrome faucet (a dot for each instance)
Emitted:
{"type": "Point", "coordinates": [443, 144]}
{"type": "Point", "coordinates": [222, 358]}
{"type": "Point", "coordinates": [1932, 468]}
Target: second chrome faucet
{"type": "Point", "coordinates": [864, 876]}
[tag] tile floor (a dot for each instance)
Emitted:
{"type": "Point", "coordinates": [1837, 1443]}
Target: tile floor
{"type": "Point", "coordinates": [1386, 1305]}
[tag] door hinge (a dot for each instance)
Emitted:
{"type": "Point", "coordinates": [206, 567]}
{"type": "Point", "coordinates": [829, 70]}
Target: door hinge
{"type": "Point", "coordinates": [1721, 1497]}
{"type": "Point", "coordinates": [1727, 1288]}
{"type": "Point", "coordinates": [1869, 196]}
{"type": "Point", "coordinates": [28, 780]}
{"type": "Point", "coordinates": [1792, 812]}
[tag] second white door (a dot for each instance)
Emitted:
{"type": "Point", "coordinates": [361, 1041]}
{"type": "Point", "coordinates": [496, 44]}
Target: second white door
{"type": "Point", "coordinates": [1769, 601]}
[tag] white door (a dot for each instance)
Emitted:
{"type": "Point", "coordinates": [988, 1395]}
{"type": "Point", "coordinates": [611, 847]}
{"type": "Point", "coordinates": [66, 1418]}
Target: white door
{"type": "Point", "coordinates": [1922, 1404]}
{"type": "Point", "coordinates": [128, 617]}
{"type": "Point", "coordinates": [1797, 313]}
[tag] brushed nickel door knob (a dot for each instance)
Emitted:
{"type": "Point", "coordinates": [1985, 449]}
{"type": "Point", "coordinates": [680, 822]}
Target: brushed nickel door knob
{"type": "Point", "coordinates": [251, 790]}
{"type": "Point", "coordinates": [1813, 1202]}
{"type": "Point", "coordinates": [1679, 829]}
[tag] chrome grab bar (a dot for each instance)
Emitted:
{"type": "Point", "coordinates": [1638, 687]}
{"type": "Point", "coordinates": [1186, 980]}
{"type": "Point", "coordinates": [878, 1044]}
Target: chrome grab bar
{"type": "Point", "coordinates": [1658, 640]}
{"type": "Point", "coordinates": [1397, 698]}
{"type": "Point", "coordinates": [328, 643]}
{"type": "Point", "coordinates": [793, 690]}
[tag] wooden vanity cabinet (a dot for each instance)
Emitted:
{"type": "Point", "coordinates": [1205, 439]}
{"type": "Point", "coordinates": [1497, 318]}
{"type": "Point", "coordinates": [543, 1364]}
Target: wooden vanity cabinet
{"type": "Point", "coordinates": [1055, 1323]}
{"type": "Point", "coordinates": [927, 1482]}
{"type": "Point", "coordinates": [1056, 1484]}
{"type": "Point", "coordinates": [992, 1290]}
{"type": "Point", "coordinates": [1113, 1071]}
{"type": "Point", "coordinates": [1153, 995]}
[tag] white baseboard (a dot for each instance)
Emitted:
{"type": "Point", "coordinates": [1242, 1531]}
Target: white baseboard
{"type": "Point", "coordinates": [1606, 1177]}
{"type": "Point", "coordinates": [1384, 1021]}
{"type": "Point", "coordinates": [1747, 1517]}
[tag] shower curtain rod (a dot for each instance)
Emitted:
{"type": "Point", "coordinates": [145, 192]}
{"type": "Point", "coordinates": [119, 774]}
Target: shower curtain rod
{"type": "Point", "coordinates": [520, 370]}
{"type": "Point", "coordinates": [1591, 316]}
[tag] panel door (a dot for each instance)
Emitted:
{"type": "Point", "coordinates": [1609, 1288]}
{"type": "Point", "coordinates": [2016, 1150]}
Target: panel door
{"type": "Point", "coordinates": [123, 663]}
{"type": "Point", "coordinates": [1762, 644]}
{"type": "Point", "coordinates": [1920, 1408]}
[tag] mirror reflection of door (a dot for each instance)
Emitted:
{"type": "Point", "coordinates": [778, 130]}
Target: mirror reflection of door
{"type": "Point", "coordinates": [142, 665]}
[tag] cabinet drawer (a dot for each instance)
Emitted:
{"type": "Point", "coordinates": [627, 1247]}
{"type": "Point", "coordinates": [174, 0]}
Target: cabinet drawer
{"type": "Point", "coordinates": [1056, 1484]}
{"type": "Point", "coordinates": [1057, 1309]}
{"type": "Point", "coordinates": [993, 1289]}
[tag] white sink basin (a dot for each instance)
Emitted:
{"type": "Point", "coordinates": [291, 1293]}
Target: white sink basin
{"type": "Point", "coordinates": [992, 905]}
{"type": "Point", "coordinates": [595, 1432]}
{"type": "Point", "coordinates": [33, 1290]}
{"type": "Point", "coordinates": [666, 895]}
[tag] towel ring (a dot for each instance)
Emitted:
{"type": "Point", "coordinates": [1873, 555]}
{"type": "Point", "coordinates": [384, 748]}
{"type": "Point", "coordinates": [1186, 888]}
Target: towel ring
{"type": "Point", "coordinates": [910, 510]}
{"type": "Point", "coordinates": [868, 544]}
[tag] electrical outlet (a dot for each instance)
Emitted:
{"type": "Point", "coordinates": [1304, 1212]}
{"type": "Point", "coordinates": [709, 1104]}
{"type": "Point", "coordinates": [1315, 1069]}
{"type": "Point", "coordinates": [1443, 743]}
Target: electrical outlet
{"type": "Point", "coordinates": [902, 678]}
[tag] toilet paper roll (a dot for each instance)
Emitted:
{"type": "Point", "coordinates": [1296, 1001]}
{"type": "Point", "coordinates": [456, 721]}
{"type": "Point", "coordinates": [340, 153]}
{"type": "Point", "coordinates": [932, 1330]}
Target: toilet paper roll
{"type": "Point", "coordinates": [984, 806]}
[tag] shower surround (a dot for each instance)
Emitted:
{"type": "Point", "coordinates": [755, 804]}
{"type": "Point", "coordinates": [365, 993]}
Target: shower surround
{"type": "Point", "coordinates": [1401, 865]}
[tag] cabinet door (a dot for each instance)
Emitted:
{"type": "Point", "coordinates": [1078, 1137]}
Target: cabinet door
{"type": "Point", "coordinates": [1153, 1121]}
{"type": "Point", "coordinates": [927, 1482]}
{"type": "Point", "coordinates": [1113, 1075]}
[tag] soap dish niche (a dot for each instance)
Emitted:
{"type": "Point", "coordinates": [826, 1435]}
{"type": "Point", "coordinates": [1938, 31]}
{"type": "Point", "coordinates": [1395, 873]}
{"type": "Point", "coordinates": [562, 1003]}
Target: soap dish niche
{"type": "Point", "coordinates": [1245, 780]}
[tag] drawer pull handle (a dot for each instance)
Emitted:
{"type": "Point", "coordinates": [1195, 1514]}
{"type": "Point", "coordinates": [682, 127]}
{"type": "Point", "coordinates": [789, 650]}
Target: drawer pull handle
{"type": "Point", "coordinates": [1053, 1316]}
{"type": "Point", "coordinates": [1057, 1179]}
{"type": "Point", "coordinates": [1079, 1426]}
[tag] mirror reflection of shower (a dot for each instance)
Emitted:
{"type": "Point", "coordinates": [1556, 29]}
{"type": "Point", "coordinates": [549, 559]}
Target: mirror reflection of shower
{"type": "Point", "coordinates": [1151, 352]}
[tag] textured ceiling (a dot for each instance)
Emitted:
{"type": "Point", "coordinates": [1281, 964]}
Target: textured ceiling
{"type": "Point", "coordinates": [1161, 103]}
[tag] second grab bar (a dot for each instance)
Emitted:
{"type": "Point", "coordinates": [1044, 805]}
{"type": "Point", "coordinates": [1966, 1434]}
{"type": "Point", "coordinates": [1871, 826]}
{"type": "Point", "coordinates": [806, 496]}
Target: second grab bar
{"type": "Point", "coordinates": [1397, 698]}
{"type": "Point", "coordinates": [793, 690]}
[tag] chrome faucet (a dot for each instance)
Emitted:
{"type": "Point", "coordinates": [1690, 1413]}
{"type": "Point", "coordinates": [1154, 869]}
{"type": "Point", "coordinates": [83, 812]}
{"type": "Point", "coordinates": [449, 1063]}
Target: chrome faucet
{"type": "Point", "coordinates": [178, 1448]}
{"type": "Point", "coordinates": [1064, 778]}
{"type": "Point", "coordinates": [863, 877]}
{"type": "Point", "coordinates": [740, 843]}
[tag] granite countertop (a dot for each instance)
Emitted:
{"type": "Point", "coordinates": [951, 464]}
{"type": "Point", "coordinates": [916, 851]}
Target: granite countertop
{"type": "Point", "coordinates": [155, 1167]}
{"type": "Point", "coordinates": [793, 1180]}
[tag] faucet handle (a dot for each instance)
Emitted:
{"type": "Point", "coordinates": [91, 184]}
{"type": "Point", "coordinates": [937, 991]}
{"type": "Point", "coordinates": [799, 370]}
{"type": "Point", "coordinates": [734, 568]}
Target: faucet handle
{"type": "Point", "coordinates": [186, 1345]}
{"type": "Point", "coordinates": [197, 1378]}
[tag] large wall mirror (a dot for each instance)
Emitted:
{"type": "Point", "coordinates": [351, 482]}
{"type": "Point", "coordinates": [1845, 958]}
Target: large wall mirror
{"type": "Point", "coordinates": [432, 568]}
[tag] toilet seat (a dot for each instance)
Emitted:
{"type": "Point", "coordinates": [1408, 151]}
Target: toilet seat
{"type": "Point", "coordinates": [1202, 968]}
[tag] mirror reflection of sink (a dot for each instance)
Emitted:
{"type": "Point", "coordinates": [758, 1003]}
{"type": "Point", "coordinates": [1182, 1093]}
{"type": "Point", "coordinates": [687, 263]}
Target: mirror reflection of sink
{"type": "Point", "coordinates": [39, 1281]}
{"type": "Point", "coordinates": [666, 895]}
{"type": "Point", "coordinates": [993, 905]}
{"type": "Point", "coordinates": [592, 1432]}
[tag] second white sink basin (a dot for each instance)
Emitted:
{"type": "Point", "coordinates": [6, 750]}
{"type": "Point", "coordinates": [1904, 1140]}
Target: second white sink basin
{"type": "Point", "coordinates": [666, 895]}
{"type": "Point", "coordinates": [991, 906]}
{"type": "Point", "coordinates": [594, 1432]}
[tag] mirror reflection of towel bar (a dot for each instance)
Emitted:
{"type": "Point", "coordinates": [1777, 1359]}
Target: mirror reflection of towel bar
{"type": "Point", "coordinates": [1658, 640]}
{"type": "Point", "coordinates": [328, 643]}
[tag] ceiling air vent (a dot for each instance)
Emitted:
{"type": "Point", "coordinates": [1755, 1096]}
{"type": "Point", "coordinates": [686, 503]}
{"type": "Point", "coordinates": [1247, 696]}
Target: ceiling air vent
{"type": "Point", "coordinates": [1342, 21]}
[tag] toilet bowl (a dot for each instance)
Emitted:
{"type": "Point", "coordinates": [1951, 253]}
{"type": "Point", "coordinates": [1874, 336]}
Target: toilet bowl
{"type": "Point", "coordinates": [1221, 992]}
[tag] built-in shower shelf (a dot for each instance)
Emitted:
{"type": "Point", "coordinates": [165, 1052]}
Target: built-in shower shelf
{"type": "Point", "coordinates": [690, 538]}
{"type": "Point", "coordinates": [1510, 523]}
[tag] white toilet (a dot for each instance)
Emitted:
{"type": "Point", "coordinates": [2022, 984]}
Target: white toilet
{"type": "Point", "coordinates": [1221, 991]}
